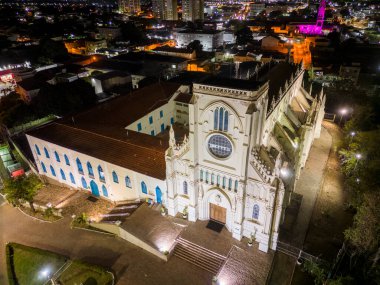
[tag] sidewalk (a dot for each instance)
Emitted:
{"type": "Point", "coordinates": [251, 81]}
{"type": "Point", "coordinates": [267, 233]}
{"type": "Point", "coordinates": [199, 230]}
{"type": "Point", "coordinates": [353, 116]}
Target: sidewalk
{"type": "Point", "coordinates": [307, 189]}
{"type": "Point", "coordinates": [298, 215]}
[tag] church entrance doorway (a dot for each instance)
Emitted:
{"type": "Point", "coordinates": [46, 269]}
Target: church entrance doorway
{"type": "Point", "coordinates": [218, 213]}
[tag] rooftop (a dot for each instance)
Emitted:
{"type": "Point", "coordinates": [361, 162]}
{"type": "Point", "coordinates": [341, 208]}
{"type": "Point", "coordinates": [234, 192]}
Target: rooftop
{"type": "Point", "coordinates": [100, 131]}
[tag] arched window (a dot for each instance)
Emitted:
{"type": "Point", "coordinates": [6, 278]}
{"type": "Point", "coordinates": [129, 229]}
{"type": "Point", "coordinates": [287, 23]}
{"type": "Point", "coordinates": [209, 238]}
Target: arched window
{"type": "Point", "coordinates": [37, 149]}
{"type": "Point", "coordinates": [216, 117]}
{"type": "Point", "coordinates": [104, 190]}
{"type": "Point", "coordinates": [221, 113]}
{"type": "Point", "coordinates": [46, 153]}
{"type": "Point", "coordinates": [218, 180]}
{"type": "Point", "coordinates": [236, 185]}
{"type": "Point", "coordinates": [66, 160]}
{"type": "Point", "coordinates": [185, 191]}
{"type": "Point", "coordinates": [221, 119]}
{"type": "Point", "coordinates": [256, 211]}
{"type": "Point", "coordinates": [84, 183]}
{"type": "Point", "coordinates": [201, 174]}
{"type": "Point", "coordinates": [143, 188]}
{"type": "Point", "coordinates": [90, 170]}
{"type": "Point", "coordinates": [224, 182]}
{"type": "Point", "coordinates": [206, 176]}
{"type": "Point", "coordinates": [128, 182]}
{"type": "Point", "coordinates": [43, 167]}
{"type": "Point", "coordinates": [212, 178]}
{"type": "Point", "coordinates": [101, 174]}
{"type": "Point", "coordinates": [57, 156]}
{"type": "Point", "coordinates": [229, 184]}
{"type": "Point", "coordinates": [63, 176]}
{"type": "Point", "coordinates": [114, 177]}
{"type": "Point", "coordinates": [52, 170]}
{"type": "Point", "coordinates": [225, 127]}
{"type": "Point", "coordinates": [79, 165]}
{"type": "Point", "coordinates": [72, 178]}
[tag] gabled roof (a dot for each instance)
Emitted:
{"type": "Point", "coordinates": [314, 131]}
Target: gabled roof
{"type": "Point", "coordinates": [100, 131]}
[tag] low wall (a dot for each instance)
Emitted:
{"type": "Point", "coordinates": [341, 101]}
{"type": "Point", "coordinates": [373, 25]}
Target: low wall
{"type": "Point", "coordinates": [130, 238]}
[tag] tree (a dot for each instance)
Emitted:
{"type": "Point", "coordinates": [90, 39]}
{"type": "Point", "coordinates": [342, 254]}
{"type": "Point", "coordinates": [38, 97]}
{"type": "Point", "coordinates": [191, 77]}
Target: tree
{"type": "Point", "coordinates": [197, 46]}
{"type": "Point", "coordinates": [243, 36]}
{"type": "Point", "coordinates": [51, 51]}
{"type": "Point", "coordinates": [23, 188]}
{"type": "Point", "coordinates": [131, 33]}
{"type": "Point", "coordinates": [64, 98]}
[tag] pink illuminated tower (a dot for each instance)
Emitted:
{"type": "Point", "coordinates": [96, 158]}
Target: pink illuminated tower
{"type": "Point", "coordinates": [317, 28]}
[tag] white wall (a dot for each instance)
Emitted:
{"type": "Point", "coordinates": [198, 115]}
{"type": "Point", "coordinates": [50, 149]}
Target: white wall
{"type": "Point", "coordinates": [116, 191]}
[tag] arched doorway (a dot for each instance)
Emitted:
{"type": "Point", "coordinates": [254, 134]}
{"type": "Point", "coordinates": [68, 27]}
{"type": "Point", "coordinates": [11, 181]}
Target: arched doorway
{"type": "Point", "coordinates": [158, 195]}
{"type": "Point", "coordinates": [216, 205]}
{"type": "Point", "coordinates": [94, 188]}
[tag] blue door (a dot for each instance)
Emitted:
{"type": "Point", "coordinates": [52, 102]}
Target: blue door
{"type": "Point", "coordinates": [162, 128]}
{"type": "Point", "coordinates": [158, 195]}
{"type": "Point", "coordinates": [94, 188]}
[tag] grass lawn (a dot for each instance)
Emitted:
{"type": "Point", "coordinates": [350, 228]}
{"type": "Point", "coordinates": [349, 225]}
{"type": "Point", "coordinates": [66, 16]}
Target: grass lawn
{"type": "Point", "coordinates": [86, 274]}
{"type": "Point", "coordinates": [33, 266]}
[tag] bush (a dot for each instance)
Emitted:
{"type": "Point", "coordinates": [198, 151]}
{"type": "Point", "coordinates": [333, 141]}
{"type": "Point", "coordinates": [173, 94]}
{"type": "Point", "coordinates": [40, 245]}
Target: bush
{"type": "Point", "coordinates": [10, 268]}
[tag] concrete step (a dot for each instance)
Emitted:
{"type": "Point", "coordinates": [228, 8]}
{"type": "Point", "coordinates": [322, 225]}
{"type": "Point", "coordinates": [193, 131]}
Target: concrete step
{"type": "Point", "coordinates": [200, 248]}
{"type": "Point", "coordinates": [199, 256]}
{"type": "Point", "coordinates": [199, 263]}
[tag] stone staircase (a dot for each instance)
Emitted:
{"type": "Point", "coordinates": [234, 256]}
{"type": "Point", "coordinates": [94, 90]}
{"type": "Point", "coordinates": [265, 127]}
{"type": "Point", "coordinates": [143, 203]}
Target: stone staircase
{"type": "Point", "coordinates": [199, 256]}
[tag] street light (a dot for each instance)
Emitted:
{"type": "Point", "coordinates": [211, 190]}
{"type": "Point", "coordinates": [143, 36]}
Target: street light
{"type": "Point", "coordinates": [342, 112]}
{"type": "Point", "coordinates": [358, 157]}
{"type": "Point", "coordinates": [352, 134]}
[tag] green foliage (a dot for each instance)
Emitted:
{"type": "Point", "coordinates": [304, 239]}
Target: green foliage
{"type": "Point", "coordinates": [28, 262]}
{"type": "Point", "coordinates": [23, 188]}
{"type": "Point", "coordinates": [81, 219]}
{"type": "Point", "coordinates": [365, 232]}
{"type": "Point", "coordinates": [346, 280]}
{"type": "Point", "coordinates": [83, 273]}
{"type": "Point", "coordinates": [10, 269]}
{"type": "Point", "coordinates": [49, 212]}
{"type": "Point", "coordinates": [51, 51]}
{"type": "Point", "coordinates": [316, 270]}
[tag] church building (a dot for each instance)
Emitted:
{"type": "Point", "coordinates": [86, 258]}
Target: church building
{"type": "Point", "coordinates": [225, 149]}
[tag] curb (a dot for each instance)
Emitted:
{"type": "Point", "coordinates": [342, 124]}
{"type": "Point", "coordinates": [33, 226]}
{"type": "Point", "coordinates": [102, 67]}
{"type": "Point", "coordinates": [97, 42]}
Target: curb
{"type": "Point", "coordinates": [95, 231]}
{"type": "Point", "coordinates": [38, 219]}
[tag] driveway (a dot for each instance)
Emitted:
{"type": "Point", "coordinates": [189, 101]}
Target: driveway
{"type": "Point", "coordinates": [131, 264]}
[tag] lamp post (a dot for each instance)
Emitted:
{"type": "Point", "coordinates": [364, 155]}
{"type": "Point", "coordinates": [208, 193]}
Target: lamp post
{"type": "Point", "coordinates": [342, 112]}
{"type": "Point", "coordinates": [352, 134]}
{"type": "Point", "coordinates": [358, 156]}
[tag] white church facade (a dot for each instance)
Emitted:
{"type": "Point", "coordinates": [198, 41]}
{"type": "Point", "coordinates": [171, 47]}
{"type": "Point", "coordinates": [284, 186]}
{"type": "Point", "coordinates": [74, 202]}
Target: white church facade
{"type": "Point", "coordinates": [222, 149]}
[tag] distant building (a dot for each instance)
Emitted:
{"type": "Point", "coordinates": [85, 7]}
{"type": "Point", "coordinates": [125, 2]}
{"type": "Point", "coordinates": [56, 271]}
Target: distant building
{"type": "Point", "coordinates": [109, 33]}
{"type": "Point", "coordinates": [106, 81]}
{"type": "Point", "coordinates": [209, 39]}
{"type": "Point", "coordinates": [256, 8]}
{"type": "Point", "coordinates": [165, 9]}
{"type": "Point", "coordinates": [192, 10]}
{"type": "Point", "coordinates": [129, 6]}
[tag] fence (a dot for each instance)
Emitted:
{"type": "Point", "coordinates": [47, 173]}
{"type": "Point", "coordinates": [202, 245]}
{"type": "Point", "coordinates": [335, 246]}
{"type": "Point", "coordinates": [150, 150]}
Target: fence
{"type": "Point", "coordinates": [330, 117]}
{"type": "Point", "coordinates": [296, 252]}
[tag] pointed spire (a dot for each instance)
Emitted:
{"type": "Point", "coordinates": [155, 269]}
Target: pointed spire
{"type": "Point", "coordinates": [172, 141]}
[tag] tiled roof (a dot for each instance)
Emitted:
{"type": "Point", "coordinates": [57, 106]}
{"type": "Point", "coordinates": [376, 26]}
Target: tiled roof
{"type": "Point", "coordinates": [130, 155]}
{"type": "Point", "coordinates": [183, 98]}
{"type": "Point", "coordinates": [100, 131]}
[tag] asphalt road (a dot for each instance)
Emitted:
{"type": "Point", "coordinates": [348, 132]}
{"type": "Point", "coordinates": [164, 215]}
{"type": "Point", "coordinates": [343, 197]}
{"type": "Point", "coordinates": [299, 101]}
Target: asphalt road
{"type": "Point", "coordinates": [130, 264]}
